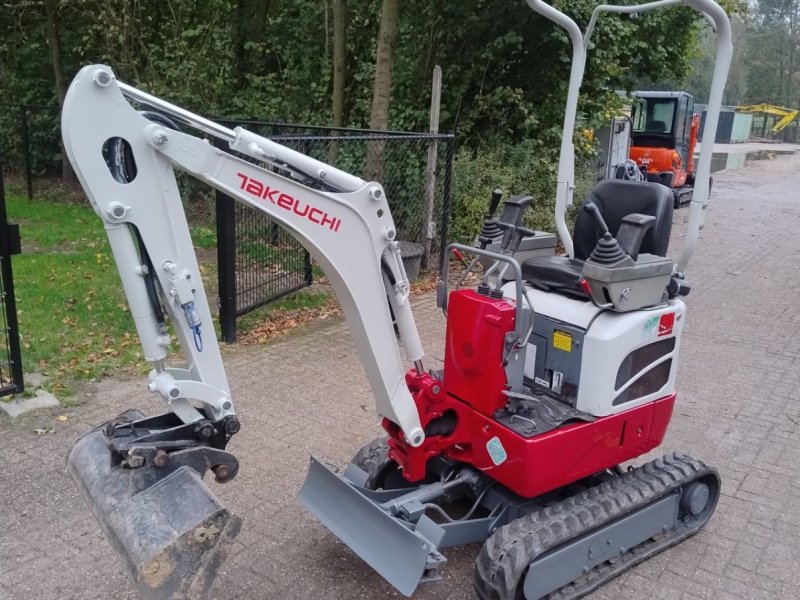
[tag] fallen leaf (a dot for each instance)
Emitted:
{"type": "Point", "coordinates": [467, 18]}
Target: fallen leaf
{"type": "Point", "coordinates": [62, 418]}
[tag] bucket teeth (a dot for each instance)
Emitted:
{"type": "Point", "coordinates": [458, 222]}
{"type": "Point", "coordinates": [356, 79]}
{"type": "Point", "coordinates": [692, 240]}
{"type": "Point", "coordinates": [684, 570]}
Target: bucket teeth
{"type": "Point", "coordinates": [170, 530]}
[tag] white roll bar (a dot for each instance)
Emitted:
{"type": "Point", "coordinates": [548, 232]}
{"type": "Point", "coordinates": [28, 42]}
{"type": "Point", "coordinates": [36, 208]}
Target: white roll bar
{"type": "Point", "coordinates": [565, 186]}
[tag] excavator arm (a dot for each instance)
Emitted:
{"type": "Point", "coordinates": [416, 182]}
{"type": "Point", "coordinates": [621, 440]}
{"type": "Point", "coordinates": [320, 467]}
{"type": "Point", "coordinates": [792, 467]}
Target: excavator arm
{"type": "Point", "coordinates": [787, 114]}
{"type": "Point", "coordinates": [125, 162]}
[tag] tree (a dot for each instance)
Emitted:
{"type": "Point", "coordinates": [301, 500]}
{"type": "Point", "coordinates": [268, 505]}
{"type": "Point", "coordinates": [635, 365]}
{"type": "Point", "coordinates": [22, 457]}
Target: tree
{"type": "Point", "coordinates": [382, 87]}
{"type": "Point", "coordinates": [339, 58]}
{"type": "Point", "coordinates": [54, 43]}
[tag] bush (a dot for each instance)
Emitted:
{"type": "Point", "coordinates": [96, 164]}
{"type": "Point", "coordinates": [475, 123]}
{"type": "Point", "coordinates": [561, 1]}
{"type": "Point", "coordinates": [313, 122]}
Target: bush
{"type": "Point", "coordinates": [525, 168]}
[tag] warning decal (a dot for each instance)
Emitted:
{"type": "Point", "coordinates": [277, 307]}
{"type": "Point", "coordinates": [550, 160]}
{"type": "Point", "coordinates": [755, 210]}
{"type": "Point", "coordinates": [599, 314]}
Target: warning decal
{"type": "Point", "coordinates": [562, 341]}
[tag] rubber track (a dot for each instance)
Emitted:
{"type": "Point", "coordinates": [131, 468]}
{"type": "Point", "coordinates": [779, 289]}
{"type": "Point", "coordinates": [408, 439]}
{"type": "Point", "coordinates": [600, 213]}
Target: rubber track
{"type": "Point", "coordinates": [504, 559]}
{"type": "Point", "coordinates": [373, 459]}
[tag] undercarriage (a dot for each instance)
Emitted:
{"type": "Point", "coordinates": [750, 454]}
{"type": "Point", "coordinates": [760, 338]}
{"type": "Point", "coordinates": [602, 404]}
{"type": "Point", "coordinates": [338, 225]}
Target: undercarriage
{"type": "Point", "coordinates": [563, 544]}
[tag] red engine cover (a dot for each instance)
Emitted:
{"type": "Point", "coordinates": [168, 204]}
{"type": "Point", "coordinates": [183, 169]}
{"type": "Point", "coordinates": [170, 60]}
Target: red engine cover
{"type": "Point", "coordinates": [473, 362]}
{"type": "Point", "coordinates": [457, 414]}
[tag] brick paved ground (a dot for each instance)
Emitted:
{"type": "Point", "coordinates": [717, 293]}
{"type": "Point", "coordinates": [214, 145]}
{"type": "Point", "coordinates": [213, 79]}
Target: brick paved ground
{"type": "Point", "coordinates": [739, 409]}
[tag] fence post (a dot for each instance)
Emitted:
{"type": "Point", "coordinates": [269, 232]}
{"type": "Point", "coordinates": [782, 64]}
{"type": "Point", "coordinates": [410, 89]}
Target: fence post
{"type": "Point", "coordinates": [429, 227]}
{"type": "Point", "coordinates": [446, 188]}
{"type": "Point", "coordinates": [26, 143]}
{"type": "Point", "coordinates": [226, 263]}
{"type": "Point", "coordinates": [10, 245]}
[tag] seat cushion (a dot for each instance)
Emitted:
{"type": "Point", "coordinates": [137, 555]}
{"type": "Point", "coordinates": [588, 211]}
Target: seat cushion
{"type": "Point", "coordinates": [559, 274]}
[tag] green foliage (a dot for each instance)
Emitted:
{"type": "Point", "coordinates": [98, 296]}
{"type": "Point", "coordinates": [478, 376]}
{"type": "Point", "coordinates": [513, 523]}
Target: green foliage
{"type": "Point", "coordinates": [524, 168]}
{"type": "Point", "coordinates": [505, 68]}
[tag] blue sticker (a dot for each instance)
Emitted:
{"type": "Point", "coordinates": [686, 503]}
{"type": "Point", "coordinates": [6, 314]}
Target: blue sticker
{"type": "Point", "coordinates": [496, 451]}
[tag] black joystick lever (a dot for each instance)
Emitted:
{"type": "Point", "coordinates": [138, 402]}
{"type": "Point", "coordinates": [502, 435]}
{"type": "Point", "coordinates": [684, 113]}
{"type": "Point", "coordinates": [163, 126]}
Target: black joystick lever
{"type": "Point", "coordinates": [632, 230]}
{"type": "Point", "coordinates": [607, 251]}
{"type": "Point", "coordinates": [497, 195]}
{"type": "Point", "coordinates": [590, 208]}
{"type": "Point", "coordinates": [489, 230]}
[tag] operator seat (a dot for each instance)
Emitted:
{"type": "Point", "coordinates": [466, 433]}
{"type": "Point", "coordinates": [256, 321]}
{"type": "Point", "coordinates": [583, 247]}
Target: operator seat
{"type": "Point", "coordinates": [615, 198]}
{"type": "Point", "coordinates": [656, 127]}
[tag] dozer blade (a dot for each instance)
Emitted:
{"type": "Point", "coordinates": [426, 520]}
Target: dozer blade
{"type": "Point", "coordinates": [402, 556]}
{"type": "Point", "coordinates": [170, 530]}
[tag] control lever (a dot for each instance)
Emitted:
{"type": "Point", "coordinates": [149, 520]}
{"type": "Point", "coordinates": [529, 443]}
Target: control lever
{"type": "Point", "coordinates": [607, 251]}
{"type": "Point", "coordinates": [489, 230]}
{"type": "Point", "coordinates": [590, 208]}
{"type": "Point", "coordinates": [497, 195]}
{"type": "Point", "coordinates": [509, 229]}
{"type": "Point", "coordinates": [519, 233]}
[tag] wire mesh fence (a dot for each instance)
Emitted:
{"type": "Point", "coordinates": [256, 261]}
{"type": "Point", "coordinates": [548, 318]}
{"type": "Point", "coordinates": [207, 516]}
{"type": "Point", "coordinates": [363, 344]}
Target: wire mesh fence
{"type": "Point", "coordinates": [260, 262]}
{"type": "Point", "coordinates": [31, 141]}
{"type": "Point", "coordinates": [11, 381]}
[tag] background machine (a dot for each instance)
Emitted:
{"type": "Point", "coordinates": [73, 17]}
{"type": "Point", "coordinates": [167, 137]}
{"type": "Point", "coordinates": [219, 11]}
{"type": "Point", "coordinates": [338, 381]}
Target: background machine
{"type": "Point", "coordinates": [556, 371]}
{"type": "Point", "coordinates": [665, 129]}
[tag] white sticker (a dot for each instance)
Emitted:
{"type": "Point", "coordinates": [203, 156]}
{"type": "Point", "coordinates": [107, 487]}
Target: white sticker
{"type": "Point", "coordinates": [557, 378]}
{"type": "Point", "coordinates": [542, 382]}
{"type": "Point", "coordinates": [530, 361]}
{"type": "Point", "coordinates": [496, 451]}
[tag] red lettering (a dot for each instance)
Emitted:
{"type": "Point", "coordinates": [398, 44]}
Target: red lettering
{"type": "Point", "coordinates": [311, 215]}
{"type": "Point", "coordinates": [326, 220]}
{"type": "Point", "coordinates": [255, 187]}
{"type": "Point", "coordinates": [285, 201]}
{"type": "Point", "coordinates": [262, 191]}
{"type": "Point", "coordinates": [302, 213]}
{"type": "Point", "coordinates": [270, 193]}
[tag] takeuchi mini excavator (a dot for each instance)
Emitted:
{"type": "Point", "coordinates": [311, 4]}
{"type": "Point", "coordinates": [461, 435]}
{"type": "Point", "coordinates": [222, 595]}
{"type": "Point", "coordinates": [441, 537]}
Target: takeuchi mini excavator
{"type": "Point", "coordinates": [663, 140]}
{"type": "Point", "coordinates": [557, 369]}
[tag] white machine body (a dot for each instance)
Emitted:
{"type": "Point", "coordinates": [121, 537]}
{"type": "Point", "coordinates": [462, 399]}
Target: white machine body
{"type": "Point", "coordinates": [631, 358]}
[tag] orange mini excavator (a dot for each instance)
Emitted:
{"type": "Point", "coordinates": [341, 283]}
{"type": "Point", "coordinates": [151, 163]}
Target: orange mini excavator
{"type": "Point", "coordinates": [664, 136]}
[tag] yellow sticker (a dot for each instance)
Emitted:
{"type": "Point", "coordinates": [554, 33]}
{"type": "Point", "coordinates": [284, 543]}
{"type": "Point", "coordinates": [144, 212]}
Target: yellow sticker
{"type": "Point", "coordinates": [562, 341]}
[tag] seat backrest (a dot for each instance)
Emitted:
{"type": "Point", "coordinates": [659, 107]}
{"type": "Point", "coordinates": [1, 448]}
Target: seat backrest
{"type": "Point", "coordinates": [617, 198]}
{"type": "Point", "coordinates": [656, 127]}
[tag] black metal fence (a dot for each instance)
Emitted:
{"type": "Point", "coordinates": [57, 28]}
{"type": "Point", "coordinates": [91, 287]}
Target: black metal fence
{"type": "Point", "coordinates": [31, 141]}
{"type": "Point", "coordinates": [259, 261]}
{"type": "Point", "coordinates": [11, 381]}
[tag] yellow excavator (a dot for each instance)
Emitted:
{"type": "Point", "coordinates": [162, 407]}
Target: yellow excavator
{"type": "Point", "coordinates": [787, 114]}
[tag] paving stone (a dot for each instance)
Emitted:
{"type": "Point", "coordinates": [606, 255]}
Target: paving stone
{"type": "Point", "coordinates": [738, 409]}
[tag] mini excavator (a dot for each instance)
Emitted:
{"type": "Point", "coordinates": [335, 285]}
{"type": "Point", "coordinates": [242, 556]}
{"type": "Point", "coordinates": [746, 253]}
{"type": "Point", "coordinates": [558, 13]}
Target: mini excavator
{"type": "Point", "coordinates": [557, 369]}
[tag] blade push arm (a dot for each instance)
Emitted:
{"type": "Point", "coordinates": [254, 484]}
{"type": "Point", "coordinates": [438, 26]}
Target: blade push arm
{"type": "Point", "coordinates": [348, 230]}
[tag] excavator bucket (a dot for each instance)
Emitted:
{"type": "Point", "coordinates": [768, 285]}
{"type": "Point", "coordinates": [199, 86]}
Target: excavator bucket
{"type": "Point", "coordinates": [169, 529]}
{"type": "Point", "coordinates": [403, 556]}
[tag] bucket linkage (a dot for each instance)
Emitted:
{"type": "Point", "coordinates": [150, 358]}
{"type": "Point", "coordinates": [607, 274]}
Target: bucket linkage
{"type": "Point", "coordinates": [143, 479]}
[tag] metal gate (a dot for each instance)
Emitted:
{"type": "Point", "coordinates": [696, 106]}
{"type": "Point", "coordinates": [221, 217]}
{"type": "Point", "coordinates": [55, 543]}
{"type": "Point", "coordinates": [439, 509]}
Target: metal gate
{"type": "Point", "coordinates": [10, 353]}
{"type": "Point", "coordinates": [258, 261]}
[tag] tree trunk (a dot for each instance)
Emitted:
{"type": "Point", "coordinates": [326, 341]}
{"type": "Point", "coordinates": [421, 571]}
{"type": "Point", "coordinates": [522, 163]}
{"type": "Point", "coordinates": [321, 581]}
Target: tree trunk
{"type": "Point", "coordinates": [339, 50]}
{"type": "Point", "coordinates": [250, 26]}
{"type": "Point", "coordinates": [382, 89]}
{"type": "Point", "coordinates": [339, 62]}
{"type": "Point", "coordinates": [54, 42]}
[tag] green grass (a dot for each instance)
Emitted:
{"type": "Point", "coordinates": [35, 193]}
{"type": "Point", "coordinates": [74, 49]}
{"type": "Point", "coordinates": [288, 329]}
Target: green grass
{"type": "Point", "coordinates": [75, 324]}
{"type": "Point", "coordinates": [73, 315]}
